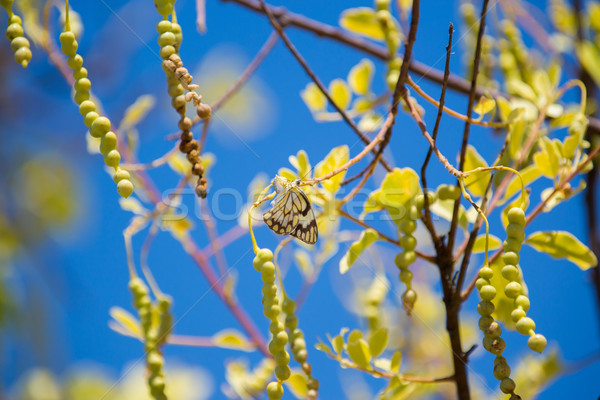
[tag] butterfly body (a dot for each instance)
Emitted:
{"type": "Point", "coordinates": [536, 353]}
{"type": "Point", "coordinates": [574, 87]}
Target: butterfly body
{"type": "Point", "coordinates": [292, 213]}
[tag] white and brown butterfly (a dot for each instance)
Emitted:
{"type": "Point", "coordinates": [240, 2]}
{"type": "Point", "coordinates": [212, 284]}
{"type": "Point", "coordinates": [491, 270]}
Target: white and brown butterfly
{"type": "Point", "coordinates": [292, 213]}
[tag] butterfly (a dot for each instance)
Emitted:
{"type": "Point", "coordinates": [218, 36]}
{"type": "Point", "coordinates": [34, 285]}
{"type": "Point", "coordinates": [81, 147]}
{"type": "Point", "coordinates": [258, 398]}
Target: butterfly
{"type": "Point", "coordinates": [292, 213]}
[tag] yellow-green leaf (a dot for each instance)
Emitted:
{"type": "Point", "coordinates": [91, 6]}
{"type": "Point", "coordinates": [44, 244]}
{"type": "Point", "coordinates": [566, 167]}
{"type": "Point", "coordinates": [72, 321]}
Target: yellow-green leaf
{"type": "Point", "coordinates": [323, 347]}
{"type": "Point", "coordinates": [475, 183]}
{"type": "Point", "coordinates": [561, 245]}
{"type": "Point", "coordinates": [314, 99]}
{"type": "Point", "coordinates": [362, 21]}
{"type": "Point", "coordinates": [519, 88]}
{"type": "Point", "coordinates": [126, 323]}
{"type": "Point", "coordinates": [372, 203]}
{"type": "Point", "coordinates": [360, 77]}
{"type": "Point", "coordinates": [378, 342]}
{"type": "Point", "coordinates": [529, 174]}
{"type": "Point", "coordinates": [304, 263]}
{"type": "Point", "coordinates": [179, 163]}
{"type": "Point", "coordinates": [232, 339]}
{"type": "Point", "coordinates": [484, 106]}
{"type": "Point", "coordinates": [132, 204]}
{"type": "Point", "coordinates": [367, 237]}
{"type": "Point", "coordinates": [396, 361]}
{"type": "Point", "coordinates": [444, 209]}
{"type": "Point", "coordinates": [399, 187]}
{"type": "Point", "coordinates": [337, 157]}
{"type": "Point", "coordinates": [355, 335]}
{"type": "Point", "coordinates": [340, 93]}
{"type": "Point", "coordinates": [589, 57]}
{"type": "Point", "coordinates": [370, 122]}
{"type": "Point", "coordinates": [296, 383]}
{"type": "Point", "coordinates": [136, 112]}
{"type": "Point", "coordinates": [359, 353]}
{"type": "Point", "coordinates": [493, 243]}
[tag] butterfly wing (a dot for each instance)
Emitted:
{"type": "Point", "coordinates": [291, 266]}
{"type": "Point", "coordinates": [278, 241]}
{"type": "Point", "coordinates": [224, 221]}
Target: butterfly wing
{"type": "Point", "coordinates": [283, 217]}
{"type": "Point", "coordinates": [306, 229]}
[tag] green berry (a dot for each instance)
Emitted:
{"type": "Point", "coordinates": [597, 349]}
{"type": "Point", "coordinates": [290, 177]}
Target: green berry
{"type": "Point", "coordinates": [13, 31]}
{"type": "Point", "coordinates": [100, 127]}
{"type": "Point", "coordinates": [108, 143]}
{"type": "Point", "coordinates": [125, 188]}
{"type": "Point", "coordinates": [164, 26]}
{"type": "Point", "coordinates": [166, 39]}
{"type": "Point", "coordinates": [283, 372]}
{"type": "Point", "coordinates": [523, 302]}
{"type": "Point", "coordinates": [272, 312]}
{"type": "Point", "coordinates": [486, 273]}
{"type": "Point", "coordinates": [487, 292]}
{"type": "Point", "coordinates": [166, 52]}
{"type": "Point", "coordinates": [501, 370]}
{"type": "Point", "coordinates": [494, 345]}
{"type": "Point", "coordinates": [517, 314]}
{"type": "Point", "coordinates": [511, 244]}
{"type": "Point", "coordinates": [480, 282]}
{"type": "Point", "coordinates": [120, 175]}
{"type": "Point", "coordinates": [274, 391]}
{"type": "Point", "coordinates": [485, 321]}
{"type": "Point", "coordinates": [507, 385]}
{"type": "Point", "coordinates": [408, 242]}
{"type": "Point", "coordinates": [282, 358]}
{"type": "Point", "coordinates": [83, 85]}
{"type": "Point", "coordinates": [515, 232]}
{"type": "Point", "coordinates": [406, 276]}
{"type": "Point", "coordinates": [75, 62]}
{"type": "Point", "coordinates": [269, 290]}
{"type": "Point", "coordinates": [23, 56]}
{"type": "Point", "coordinates": [86, 107]}
{"type": "Point", "coordinates": [405, 259]}
{"type": "Point", "coordinates": [281, 338]}
{"type": "Point", "coordinates": [80, 73]}
{"type": "Point", "coordinates": [512, 289]}
{"type": "Point", "coordinates": [291, 321]}
{"type": "Point", "coordinates": [89, 120]}
{"type": "Point", "coordinates": [516, 216]}
{"type": "Point", "coordinates": [537, 343]}
{"type": "Point", "coordinates": [510, 272]}
{"type": "Point", "coordinates": [80, 97]}
{"type": "Point", "coordinates": [19, 42]}
{"type": "Point", "coordinates": [525, 326]}
{"type": "Point", "coordinates": [300, 355]}
{"type": "Point", "coordinates": [112, 158]}
{"type": "Point", "coordinates": [511, 257]}
{"type": "Point", "coordinates": [485, 308]}
{"type": "Point", "coordinates": [408, 227]}
{"type": "Point", "coordinates": [68, 44]}
{"type": "Point", "coordinates": [265, 255]}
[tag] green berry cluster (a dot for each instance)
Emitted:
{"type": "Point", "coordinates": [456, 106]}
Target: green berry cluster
{"type": "Point", "coordinates": [492, 341]}
{"type": "Point", "coordinates": [14, 33]}
{"type": "Point", "coordinates": [179, 80]}
{"type": "Point", "coordinates": [408, 256]}
{"type": "Point", "coordinates": [263, 262]}
{"type": "Point", "coordinates": [99, 126]}
{"type": "Point", "coordinates": [515, 234]}
{"type": "Point", "coordinates": [392, 39]}
{"type": "Point", "coordinates": [298, 346]}
{"type": "Point", "coordinates": [156, 324]}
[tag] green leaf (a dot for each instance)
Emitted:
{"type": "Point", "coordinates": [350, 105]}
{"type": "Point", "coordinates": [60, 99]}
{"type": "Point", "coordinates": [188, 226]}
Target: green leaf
{"type": "Point", "coordinates": [484, 106]}
{"type": "Point", "coordinates": [479, 246]}
{"type": "Point", "coordinates": [378, 342]}
{"type": "Point", "coordinates": [136, 112]}
{"type": "Point", "coordinates": [132, 204]}
{"type": "Point", "coordinates": [547, 159]}
{"type": "Point", "coordinates": [519, 88]}
{"type": "Point", "coordinates": [124, 322]}
{"type": "Point", "coordinates": [232, 339]}
{"type": "Point", "coordinates": [517, 131]}
{"type": "Point", "coordinates": [396, 361]}
{"type": "Point", "coordinates": [589, 57]}
{"type": "Point", "coordinates": [358, 351]}
{"type": "Point", "coordinates": [303, 261]}
{"type": "Point", "coordinates": [367, 237]}
{"type": "Point", "coordinates": [398, 188]}
{"type": "Point", "coordinates": [476, 183]}
{"type": "Point", "coordinates": [340, 93]}
{"type": "Point", "coordinates": [362, 21]}
{"type": "Point", "coordinates": [444, 208]}
{"type": "Point", "coordinates": [314, 99]}
{"type": "Point", "coordinates": [337, 157]}
{"type": "Point", "coordinates": [529, 174]}
{"type": "Point", "coordinates": [565, 119]}
{"type": "Point", "coordinates": [297, 385]}
{"type": "Point", "coordinates": [372, 203]}
{"type": "Point", "coordinates": [355, 335]}
{"type": "Point", "coordinates": [561, 245]}
{"type": "Point", "coordinates": [324, 348]}
{"type": "Point", "coordinates": [370, 122]}
{"type": "Point", "coordinates": [360, 77]}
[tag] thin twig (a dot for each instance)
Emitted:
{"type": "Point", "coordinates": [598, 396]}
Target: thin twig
{"type": "Point", "coordinates": [467, 129]}
{"type": "Point", "coordinates": [427, 221]}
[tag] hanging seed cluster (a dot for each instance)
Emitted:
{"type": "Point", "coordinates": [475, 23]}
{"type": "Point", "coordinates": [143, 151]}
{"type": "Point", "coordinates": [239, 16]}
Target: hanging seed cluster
{"type": "Point", "coordinates": [99, 126]}
{"type": "Point", "coordinates": [408, 256]}
{"type": "Point", "coordinates": [156, 323]}
{"type": "Point", "coordinates": [263, 263]}
{"type": "Point", "coordinates": [492, 341]}
{"type": "Point", "coordinates": [298, 347]}
{"type": "Point", "coordinates": [14, 33]}
{"type": "Point", "coordinates": [179, 80]}
{"type": "Point", "coordinates": [515, 234]}
{"type": "Point", "coordinates": [392, 40]}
